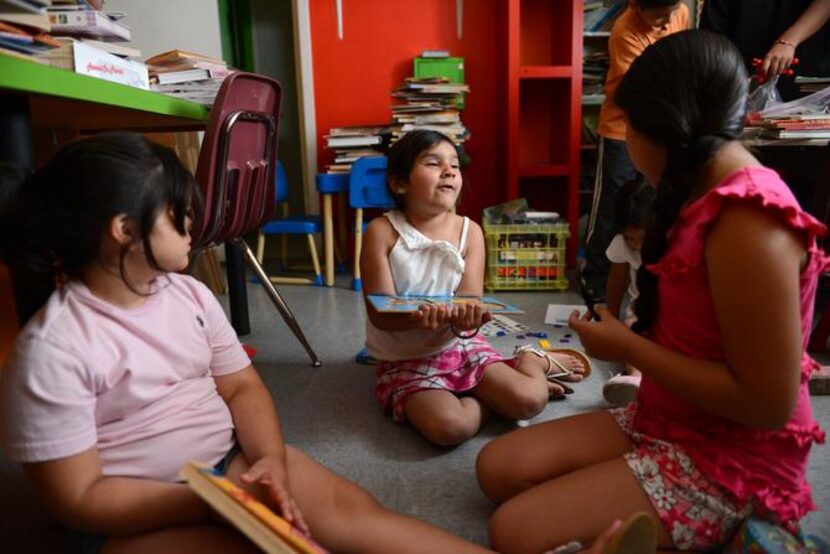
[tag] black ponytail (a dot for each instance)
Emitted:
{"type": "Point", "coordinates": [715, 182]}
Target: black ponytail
{"type": "Point", "coordinates": [686, 93]}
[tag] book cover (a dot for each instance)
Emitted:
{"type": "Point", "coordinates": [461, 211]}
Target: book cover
{"type": "Point", "coordinates": [266, 529]}
{"type": "Point", "coordinates": [402, 304]}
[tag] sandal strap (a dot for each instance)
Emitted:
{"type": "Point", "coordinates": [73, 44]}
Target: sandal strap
{"type": "Point", "coordinates": [541, 353]}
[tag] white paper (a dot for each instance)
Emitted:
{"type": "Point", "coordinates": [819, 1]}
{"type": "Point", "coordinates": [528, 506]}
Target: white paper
{"type": "Point", "coordinates": [558, 314]}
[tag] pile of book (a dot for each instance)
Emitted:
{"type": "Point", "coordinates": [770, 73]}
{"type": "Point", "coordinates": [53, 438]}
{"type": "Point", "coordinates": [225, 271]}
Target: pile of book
{"type": "Point", "coordinates": [594, 69]}
{"type": "Point", "coordinates": [797, 126]}
{"type": "Point", "coordinates": [598, 15]}
{"type": "Point", "coordinates": [24, 28]}
{"type": "Point", "coordinates": [194, 77]}
{"type": "Point", "coordinates": [79, 18]}
{"type": "Point", "coordinates": [351, 143]}
{"type": "Point", "coordinates": [430, 103]}
{"type": "Point", "coordinates": [809, 85]}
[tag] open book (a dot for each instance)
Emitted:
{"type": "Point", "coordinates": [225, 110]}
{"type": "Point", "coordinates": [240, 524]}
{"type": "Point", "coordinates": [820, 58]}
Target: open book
{"type": "Point", "coordinates": [399, 304]}
{"type": "Point", "coordinates": [266, 529]}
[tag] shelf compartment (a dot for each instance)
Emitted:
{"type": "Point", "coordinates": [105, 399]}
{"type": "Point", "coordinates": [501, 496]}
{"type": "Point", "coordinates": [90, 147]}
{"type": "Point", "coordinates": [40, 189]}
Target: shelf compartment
{"type": "Point", "coordinates": [544, 122]}
{"type": "Point", "coordinates": [545, 72]}
{"type": "Point", "coordinates": [553, 170]}
{"type": "Point", "coordinates": [546, 32]}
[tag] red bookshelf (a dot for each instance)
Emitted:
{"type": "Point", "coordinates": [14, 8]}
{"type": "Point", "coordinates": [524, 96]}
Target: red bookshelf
{"type": "Point", "coordinates": [544, 94]}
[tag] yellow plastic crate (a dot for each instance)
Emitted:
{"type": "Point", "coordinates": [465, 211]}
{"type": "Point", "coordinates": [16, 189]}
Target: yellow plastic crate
{"type": "Point", "coordinates": [526, 257]}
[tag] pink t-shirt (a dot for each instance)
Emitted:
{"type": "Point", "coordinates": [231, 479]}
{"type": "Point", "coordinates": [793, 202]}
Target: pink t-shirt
{"type": "Point", "coordinates": [138, 383]}
{"type": "Point", "coordinates": [765, 467]}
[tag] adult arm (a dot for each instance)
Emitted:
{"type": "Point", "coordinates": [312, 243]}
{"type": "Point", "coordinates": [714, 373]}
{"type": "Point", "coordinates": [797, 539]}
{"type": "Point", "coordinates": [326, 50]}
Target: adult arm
{"type": "Point", "coordinates": [781, 54]}
{"type": "Point", "coordinates": [760, 326]}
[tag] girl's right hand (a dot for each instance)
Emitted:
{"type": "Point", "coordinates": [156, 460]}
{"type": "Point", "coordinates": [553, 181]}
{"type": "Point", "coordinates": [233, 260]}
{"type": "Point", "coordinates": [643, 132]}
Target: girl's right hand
{"type": "Point", "coordinates": [432, 316]}
{"type": "Point", "coordinates": [606, 339]}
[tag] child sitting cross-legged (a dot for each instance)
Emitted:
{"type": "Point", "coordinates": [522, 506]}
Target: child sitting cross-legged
{"type": "Point", "coordinates": [436, 371]}
{"type": "Point", "coordinates": [131, 370]}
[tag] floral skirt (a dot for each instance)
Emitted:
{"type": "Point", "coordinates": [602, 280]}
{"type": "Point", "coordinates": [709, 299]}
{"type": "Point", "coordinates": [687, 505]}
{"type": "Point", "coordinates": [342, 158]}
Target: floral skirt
{"type": "Point", "coordinates": [697, 513]}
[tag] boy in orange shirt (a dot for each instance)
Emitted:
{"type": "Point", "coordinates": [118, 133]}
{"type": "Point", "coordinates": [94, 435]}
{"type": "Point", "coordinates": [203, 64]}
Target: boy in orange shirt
{"type": "Point", "coordinates": [643, 22]}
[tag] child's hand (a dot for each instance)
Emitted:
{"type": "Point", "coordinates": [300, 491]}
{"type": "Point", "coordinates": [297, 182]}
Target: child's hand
{"type": "Point", "coordinates": [606, 339]}
{"type": "Point", "coordinates": [433, 316]}
{"type": "Point", "coordinates": [466, 317]}
{"type": "Point", "coordinates": [270, 474]}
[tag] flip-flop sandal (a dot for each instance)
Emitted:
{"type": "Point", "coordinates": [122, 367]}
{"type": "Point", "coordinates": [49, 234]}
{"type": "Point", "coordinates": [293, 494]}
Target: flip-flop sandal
{"type": "Point", "coordinates": [638, 535]}
{"type": "Point", "coordinates": [563, 371]}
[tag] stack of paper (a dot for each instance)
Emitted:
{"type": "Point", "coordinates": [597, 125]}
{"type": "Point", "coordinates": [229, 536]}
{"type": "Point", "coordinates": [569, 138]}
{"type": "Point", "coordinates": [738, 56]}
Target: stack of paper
{"type": "Point", "coordinates": [79, 19]}
{"type": "Point", "coordinates": [24, 27]}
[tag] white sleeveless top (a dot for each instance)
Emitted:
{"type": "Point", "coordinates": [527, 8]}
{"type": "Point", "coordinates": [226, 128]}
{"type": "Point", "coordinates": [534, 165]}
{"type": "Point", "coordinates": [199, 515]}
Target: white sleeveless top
{"type": "Point", "coordinates": [419, 265]}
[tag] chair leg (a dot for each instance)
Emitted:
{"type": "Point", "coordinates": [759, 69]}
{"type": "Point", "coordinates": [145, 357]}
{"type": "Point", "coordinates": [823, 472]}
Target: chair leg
{"type": "Point", "coordinates": [312, 248]}
{"type": "Point", "coordinates": [357, 283]}
{"type": "Point", "coordinates": [277, 299]}
{"type": "Point", "coordinates": [260, 247]}
{"type": "Point", "coordinates": [328, 239]}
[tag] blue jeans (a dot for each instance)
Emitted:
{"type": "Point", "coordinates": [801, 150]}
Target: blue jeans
{"type": "Point", "coordinates": [614, 169]}
{"type": "Point", "coordinates": [81, 542]}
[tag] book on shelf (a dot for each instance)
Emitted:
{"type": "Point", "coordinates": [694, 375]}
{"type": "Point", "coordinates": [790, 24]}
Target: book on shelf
{"type": "Point", "coordinates": [114, 48]}
{"type": "Point", "coordinates": [38, 21]}
{"type": "Point", "coordinates": [89, 23]}
{"type": "Point", "coordinates": [188, 75]}
{"type": "Point", "coordinates": [254, 519]}
{"type": "Point", "coordinates": [393, 303]}
{"type": "Point", "coordinates": [84, 59]}
{"type": "Point", "coordinates": [435, 54]}
{"type": "Point", "coordinates": [30, 6]}
{"type": "Point", "coordinates": [346, 141]}
{"type": "Point", "coordinates": [178, 57]}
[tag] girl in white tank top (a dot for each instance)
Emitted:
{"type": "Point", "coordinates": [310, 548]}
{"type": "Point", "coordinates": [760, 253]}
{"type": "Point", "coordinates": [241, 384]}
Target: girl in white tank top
{"type": "Point", "coordinates": [435, 370]}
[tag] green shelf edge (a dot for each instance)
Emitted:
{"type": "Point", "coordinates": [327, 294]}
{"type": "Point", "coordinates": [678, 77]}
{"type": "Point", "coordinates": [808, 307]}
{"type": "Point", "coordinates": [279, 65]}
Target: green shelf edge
{"type": "Point", "coordinates": [34, 78]}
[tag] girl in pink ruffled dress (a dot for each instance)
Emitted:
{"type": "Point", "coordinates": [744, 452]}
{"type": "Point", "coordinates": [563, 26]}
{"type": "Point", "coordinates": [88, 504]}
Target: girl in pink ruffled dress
{"type": "Point", "coordinates": [722, 426]}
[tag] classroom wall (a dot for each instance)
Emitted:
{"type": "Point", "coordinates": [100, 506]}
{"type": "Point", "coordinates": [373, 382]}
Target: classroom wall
{"type": "Point", "coordinates": [273, 42]}
{"type": "Point", "coordinates": [353, 77]}
{"type": "Point", "coordinates": [161, 25]}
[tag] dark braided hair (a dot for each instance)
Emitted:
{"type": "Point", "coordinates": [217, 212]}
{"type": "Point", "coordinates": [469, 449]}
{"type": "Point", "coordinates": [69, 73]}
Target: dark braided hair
{"type": "Point", "coordinates": [686, 93]}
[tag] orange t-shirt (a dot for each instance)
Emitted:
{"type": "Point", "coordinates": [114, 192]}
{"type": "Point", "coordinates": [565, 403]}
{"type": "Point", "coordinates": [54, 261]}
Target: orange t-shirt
{"type": "Point", "coordinates": [629, 37]}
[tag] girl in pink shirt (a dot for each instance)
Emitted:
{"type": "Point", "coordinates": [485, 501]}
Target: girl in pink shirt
{"type": "Point", "coordinates": [722, 426]}
{"type": "Point", "coordinates": [130, 370]}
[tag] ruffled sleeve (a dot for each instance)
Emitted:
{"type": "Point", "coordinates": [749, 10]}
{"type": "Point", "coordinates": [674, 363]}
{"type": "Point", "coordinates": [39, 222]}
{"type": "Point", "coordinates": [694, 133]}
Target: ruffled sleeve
{"type": "Point", "coordinates": [756, 186]}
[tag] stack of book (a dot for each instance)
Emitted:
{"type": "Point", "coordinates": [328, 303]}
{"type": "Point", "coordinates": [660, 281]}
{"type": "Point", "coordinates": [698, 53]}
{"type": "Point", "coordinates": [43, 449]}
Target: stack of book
{"type": "Point", "coordinates": [194, 77]}
{"type": "Point", "coordinates": [594, 69]}
{"type": "Point", "coordinates": [803, 126]}
{"type": "Point", "coordinates": [432, 104]}
{"type": "Point", "coordinates": [809, 85]}
{"type": "Point", "coordinates": [351, 143]}
{"type": "Point", "coordinates": [24, 28]}
{"type": "Point", "coordinates": [598, 16]}
{"type": "Point", "coordinates": [77, 18]}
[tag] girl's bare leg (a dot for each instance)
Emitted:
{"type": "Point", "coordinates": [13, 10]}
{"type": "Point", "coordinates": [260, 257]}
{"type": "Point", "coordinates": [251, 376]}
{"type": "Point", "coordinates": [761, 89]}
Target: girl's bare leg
{"type": "Point", "coordinates": [517, 393]}
{"type": "Point", "coordinates": [207, 538]}
{"type": "Point", "coordinates": [547, 450]}
{"type": "Point", "coordinates": [345, 518]}
{"type": "Point", "coordinates": [443, 418]}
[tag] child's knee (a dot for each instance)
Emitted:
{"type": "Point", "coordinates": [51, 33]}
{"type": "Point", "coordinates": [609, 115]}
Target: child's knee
{"type": "Point", "coordinates": [448, 429]}
{"type": "Point", "coordinates": [489, 471]}
{"type": "Point", "coordinates": [528, 402]}
{"type": "Point", "coordinates": [502, 530]}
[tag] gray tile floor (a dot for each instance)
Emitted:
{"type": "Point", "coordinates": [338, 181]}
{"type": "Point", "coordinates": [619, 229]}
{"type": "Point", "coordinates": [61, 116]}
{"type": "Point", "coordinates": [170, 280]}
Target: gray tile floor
{"type": "Point", "coordinates": [331, 414]}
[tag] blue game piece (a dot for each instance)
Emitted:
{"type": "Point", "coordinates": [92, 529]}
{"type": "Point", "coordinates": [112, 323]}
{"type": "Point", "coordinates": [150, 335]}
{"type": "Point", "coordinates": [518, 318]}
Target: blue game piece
{"type": "Point", "coordinates": [542, 335]}
{"type": "Point", "coordinates": [558, 325]}
{"type": "Point", "coordinates": [568, 335]}
{"type": "Point", "coordinates": [501, 334]}
{"type": "Point", "coordinates": [520, 337]}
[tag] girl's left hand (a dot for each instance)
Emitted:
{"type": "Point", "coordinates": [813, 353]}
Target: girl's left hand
{"type": "Point", "coordinates": [466, 317]}
{"type": "Point", "coordinates": [606, 339]}
{"type": "Point", "coordinates": [270, 474]}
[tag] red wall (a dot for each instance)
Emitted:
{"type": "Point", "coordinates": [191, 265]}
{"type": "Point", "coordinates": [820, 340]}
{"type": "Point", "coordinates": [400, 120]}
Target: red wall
{"type": "Point", "coordinates": [353, 78]}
